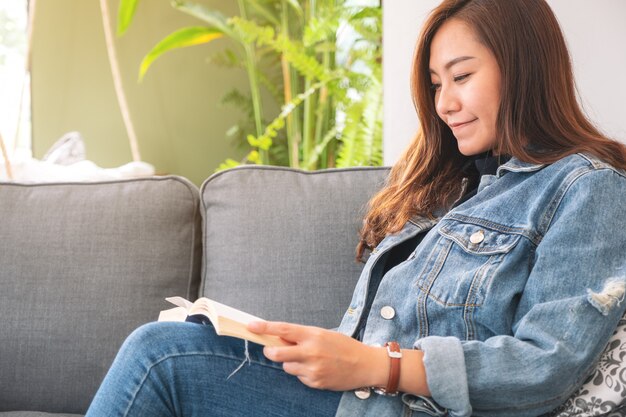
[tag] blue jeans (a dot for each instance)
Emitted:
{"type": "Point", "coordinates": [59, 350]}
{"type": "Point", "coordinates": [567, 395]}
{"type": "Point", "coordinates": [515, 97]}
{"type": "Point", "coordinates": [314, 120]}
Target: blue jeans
{"type": "Point", "coordinates": [182, 369]}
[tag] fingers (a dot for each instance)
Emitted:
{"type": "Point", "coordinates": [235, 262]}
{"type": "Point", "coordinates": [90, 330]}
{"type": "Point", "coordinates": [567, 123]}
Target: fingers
{"type": "Point", "coordinates": [257, 327]}
{"type": "Point", "coordinates": [301, 371]}
{"type": "Point", "coordinates": [288, 331]}
{"type": "Point", "coordinates": [307, 375]}
{"type": "Point", "coordinates": [293, 368]}
{"type": "Point", "coordinates": [284, 354]}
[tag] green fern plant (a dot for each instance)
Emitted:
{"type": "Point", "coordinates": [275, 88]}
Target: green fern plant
{"type": "Point", "coordinates": [320, 60]}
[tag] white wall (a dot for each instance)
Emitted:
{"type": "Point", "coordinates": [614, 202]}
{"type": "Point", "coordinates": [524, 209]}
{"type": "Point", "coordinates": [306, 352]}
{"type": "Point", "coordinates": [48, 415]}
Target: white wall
{"type": "Point", "coordinates": [596, 35]}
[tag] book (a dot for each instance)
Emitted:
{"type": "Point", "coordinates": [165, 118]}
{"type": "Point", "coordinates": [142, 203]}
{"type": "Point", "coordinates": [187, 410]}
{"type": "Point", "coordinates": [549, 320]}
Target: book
{"type": "Point", "coordinates": [227, 321]}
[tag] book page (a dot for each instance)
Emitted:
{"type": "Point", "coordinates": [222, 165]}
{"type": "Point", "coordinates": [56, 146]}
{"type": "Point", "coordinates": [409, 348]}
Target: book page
{"type": "Point", "coordinates": [231, 313]}
{"type": "Point", "coordinates": [227, 321]}
{"type": "Point", "coordinates": [180, 302]}
{"type": "Point", "coordinates": [173, 314]}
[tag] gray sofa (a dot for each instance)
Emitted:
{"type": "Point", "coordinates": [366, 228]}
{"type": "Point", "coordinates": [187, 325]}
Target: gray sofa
{"type": "Point", "coordinates": [83, 264]}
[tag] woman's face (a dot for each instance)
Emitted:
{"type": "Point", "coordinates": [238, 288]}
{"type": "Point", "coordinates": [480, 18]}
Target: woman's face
{"type": "Point", "coordinates": [466, 80]}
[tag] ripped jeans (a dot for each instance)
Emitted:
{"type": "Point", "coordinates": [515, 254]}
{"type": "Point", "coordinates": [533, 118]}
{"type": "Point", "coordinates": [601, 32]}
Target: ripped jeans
{"type": "Point", "coordinates": [182, 369]}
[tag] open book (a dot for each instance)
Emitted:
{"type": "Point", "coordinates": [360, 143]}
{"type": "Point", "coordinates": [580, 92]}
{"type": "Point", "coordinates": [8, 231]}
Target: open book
{"type": "Point", "coordinates": [226, 320]}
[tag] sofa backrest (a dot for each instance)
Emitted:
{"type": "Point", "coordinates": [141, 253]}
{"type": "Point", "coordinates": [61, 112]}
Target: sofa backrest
{"type": "Point", "coordinates": [280, 243]}
{"type": "Point", "coordinates": [81, 266]}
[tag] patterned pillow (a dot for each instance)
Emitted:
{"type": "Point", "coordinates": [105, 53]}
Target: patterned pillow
{"type": "Point", "coordinates": [604, 391]}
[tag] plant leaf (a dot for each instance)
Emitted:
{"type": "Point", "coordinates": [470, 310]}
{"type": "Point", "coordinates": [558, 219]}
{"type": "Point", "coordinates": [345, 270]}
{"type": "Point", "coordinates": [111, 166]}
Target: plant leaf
{"type": "Point", "coordinates": [179, 39]}
{"type": "Point", "coordinates": [320, 147]}
{"type": "Point", "coordinates": [227, 164]}
{"type": "Point", "coordinates": [263, 11]}
{"type": "Point", "coordinates": [125, 13]}
{"type": "Point", "coordinates": [293, 51]}
{"type": "Point", "coordinates": [361, 141]}
{"type": "Point", "coordinates": [212, 17]}
{"type": "Point", "coordinates": [367, 12]}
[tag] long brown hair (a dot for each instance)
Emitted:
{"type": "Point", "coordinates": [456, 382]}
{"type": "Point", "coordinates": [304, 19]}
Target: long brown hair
{"type": "Point", "coordinates": [539, 118]}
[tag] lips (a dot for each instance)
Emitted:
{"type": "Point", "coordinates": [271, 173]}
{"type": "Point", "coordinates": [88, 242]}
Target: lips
{"type": "Point", "coordinates": [461, 124]}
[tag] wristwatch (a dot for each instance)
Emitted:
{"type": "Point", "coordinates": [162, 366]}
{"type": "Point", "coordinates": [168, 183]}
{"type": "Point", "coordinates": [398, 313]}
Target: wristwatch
{"type": "Point", "coordinates": [395, 356]}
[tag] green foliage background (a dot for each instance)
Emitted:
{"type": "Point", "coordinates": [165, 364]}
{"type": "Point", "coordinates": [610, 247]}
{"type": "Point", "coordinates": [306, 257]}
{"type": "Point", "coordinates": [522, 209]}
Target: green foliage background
{"type": "Point", "coordinates": [320, 59]}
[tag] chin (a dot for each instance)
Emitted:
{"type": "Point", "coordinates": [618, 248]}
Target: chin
{"type": "Point", "coordinates": [471, 149]}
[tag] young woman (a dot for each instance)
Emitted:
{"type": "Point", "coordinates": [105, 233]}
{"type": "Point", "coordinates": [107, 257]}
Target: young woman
{"type": "Point", "coordinates": [498, 267]}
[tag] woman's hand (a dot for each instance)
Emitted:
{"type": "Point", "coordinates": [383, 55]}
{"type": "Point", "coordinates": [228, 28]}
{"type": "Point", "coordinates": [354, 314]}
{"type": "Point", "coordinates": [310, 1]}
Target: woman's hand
{"type": "Point", "coordinates": [325, 359]}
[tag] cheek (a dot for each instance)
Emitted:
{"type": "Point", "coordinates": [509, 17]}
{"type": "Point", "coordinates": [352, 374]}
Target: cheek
{"type": "Point", "coordinates": [489, 106]}
{"type": "Point", "coordinates": [484, 97]}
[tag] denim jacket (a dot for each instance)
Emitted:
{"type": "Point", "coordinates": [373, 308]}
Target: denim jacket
{"type": "Point", "coordinates": [512, 295]}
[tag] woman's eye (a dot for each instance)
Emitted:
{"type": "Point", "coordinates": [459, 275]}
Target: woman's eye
{"type": "Point", "coordinates": [456, 78]}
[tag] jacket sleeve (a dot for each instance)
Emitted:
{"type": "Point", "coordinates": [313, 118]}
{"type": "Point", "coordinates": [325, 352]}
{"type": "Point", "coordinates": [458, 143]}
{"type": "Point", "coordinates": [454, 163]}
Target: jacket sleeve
{"type": "Point", "coordinates": [571, 304]}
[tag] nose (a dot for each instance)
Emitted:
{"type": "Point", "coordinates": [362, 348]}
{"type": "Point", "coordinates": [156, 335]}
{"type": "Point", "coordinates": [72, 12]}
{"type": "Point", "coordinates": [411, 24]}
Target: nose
{"type": "Point", "coordinates": [446, 101]}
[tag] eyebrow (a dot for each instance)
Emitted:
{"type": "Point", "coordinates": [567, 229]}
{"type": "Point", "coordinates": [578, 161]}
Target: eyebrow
{"type": "Point", "coordinates": [453, 62]}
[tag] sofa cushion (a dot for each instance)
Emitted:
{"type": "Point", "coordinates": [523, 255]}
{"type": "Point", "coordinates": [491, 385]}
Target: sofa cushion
{"type": "Point", "coordinates": [81, 266]}
{"type": "Point", "coordinates": [280, 243]}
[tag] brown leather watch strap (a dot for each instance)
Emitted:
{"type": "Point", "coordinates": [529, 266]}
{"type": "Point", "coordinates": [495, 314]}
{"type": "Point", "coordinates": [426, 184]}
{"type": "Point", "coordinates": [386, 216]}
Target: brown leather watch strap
{"type": "Point", "coordinates": [395, 356]}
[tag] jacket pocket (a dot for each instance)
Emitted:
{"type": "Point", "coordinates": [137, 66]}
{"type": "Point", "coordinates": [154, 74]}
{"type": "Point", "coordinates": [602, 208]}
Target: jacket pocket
{"type": "Point", "coordinates": [478, 239]}
{"type": "Point", "coordinates": [464, 261]}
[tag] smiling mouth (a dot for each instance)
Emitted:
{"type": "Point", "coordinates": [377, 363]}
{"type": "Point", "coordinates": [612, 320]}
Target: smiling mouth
{"type": "Point", "coordinates": [459, 125]}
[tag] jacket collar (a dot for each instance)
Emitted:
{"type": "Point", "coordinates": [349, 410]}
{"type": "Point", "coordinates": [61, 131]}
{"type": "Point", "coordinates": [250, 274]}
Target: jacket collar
{"type": "Point", "coordinates": [515, 165]}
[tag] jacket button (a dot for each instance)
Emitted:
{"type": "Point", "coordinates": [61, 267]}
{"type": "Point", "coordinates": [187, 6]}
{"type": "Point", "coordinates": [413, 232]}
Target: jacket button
{"type": "Point", "coordinates": [362, 393]}
{"type": "Point", "coordinates": [477, 237]}
{"type": "Point", "coordinates": [387, 312]}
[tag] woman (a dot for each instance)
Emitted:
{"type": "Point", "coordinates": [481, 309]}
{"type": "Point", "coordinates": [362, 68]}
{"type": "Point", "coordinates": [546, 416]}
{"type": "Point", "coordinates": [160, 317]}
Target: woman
{"type": "Point", "coordinates": [497, 265]}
